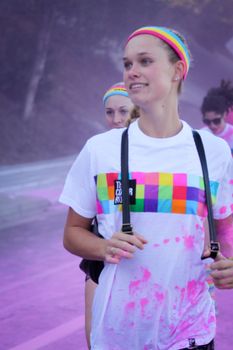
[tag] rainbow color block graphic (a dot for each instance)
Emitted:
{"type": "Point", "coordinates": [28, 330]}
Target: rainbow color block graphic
{"type": "Point", "coordinates": [157, 193]}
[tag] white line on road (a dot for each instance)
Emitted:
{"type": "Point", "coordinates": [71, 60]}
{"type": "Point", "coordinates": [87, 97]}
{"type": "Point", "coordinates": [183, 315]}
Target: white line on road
{"type": "Point", "coordinates": [52, 335]}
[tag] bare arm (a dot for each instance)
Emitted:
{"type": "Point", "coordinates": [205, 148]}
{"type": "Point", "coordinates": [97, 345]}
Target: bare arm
{"type": "Point", "coordinates": [224, 231]}
{"type": "Point", "coordinates": [223, 266]}
{"type": "Point", "coordinates": [80, 241]}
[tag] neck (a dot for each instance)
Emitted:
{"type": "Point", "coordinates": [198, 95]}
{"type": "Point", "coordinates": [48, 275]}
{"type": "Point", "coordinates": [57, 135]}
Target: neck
{"type": "Point", "coordinates": [159, 121]}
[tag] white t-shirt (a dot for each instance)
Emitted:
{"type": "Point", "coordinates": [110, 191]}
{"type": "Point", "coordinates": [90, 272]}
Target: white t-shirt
{"type": "Point", "coordinates": [159, 298]}
{"type": "Point", "coordinates": [226, 134]}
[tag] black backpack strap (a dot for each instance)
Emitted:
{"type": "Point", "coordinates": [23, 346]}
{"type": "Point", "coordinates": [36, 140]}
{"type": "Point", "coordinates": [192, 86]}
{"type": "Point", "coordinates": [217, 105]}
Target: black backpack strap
{"type": "Point", "coordinates": [214, 245]}
{"type": "Point", "coordinates": [126, 225]}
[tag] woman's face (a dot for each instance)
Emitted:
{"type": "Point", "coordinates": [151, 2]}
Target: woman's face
{"type": "Point", "coordinates": [214, 121]}
{"type": "Point", "coordinates": [117, 110]}
{"type": "Point", "coordinates": [148, 73]}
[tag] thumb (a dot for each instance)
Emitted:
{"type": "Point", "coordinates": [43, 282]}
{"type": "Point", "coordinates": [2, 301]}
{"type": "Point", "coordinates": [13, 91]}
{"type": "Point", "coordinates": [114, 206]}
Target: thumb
{"type": "Point", "coordinates": [220, 257]}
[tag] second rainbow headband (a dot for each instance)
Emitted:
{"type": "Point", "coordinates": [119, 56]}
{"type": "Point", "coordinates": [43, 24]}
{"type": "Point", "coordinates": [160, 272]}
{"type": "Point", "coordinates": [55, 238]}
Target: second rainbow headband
{"type": "Point", "coordinates": [171, 38]}
{"type": "Point", "coordinates": [117, 89]}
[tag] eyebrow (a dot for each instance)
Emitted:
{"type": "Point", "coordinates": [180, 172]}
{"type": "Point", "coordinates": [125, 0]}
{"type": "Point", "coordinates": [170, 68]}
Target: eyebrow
{"type": "Point", "coordinates": [139, 54]}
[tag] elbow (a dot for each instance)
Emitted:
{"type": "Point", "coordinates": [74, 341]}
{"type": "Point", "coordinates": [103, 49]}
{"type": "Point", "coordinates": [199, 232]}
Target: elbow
{"type": "Point", "coordinates": [67, 245]}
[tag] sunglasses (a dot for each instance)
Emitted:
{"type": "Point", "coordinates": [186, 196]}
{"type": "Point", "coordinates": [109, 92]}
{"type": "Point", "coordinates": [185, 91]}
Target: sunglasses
{"type": "Point", "coordinates": [215, 121]}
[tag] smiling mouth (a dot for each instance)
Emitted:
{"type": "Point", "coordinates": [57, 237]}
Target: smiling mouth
{"type": "Point", "coordinates": [137, 86]}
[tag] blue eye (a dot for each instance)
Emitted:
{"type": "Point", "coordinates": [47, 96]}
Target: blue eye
{"type": "Point", "coordinates": [124, 112]}
{"type": "Point", "coordinates": [127, 65]}
{"type": "Point", "coordinates": [109, 113]}
{"type": "Point", "coordinates": [145, 61]}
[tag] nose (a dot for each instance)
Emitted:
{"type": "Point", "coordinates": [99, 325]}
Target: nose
{"type": "Point", "coordinates": [118, 121]}
{"type": "Point", "coordinates": [134, 72]}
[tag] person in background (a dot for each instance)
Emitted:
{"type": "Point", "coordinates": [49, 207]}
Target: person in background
{"type": "Point", "coordinates": [152, 292]}
{"type": "Point", "coordinates": [117, 108]}
{"type": "Point", "coordinates": [216, 107]}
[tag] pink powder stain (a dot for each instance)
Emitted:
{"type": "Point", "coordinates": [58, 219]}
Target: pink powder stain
{"type": "Point", "coordinates": [182, 292]}
{"type": "Point", "coordinates": [183, 327]}
{"type": "Point", "coordinates": [156, 245]}
{"type": "Point", "coordinates": [193, 289]}
{"type": "Point", "coordinates": [149, 347]}
{"type": "Point", "coordinates": [223, 210]}
{"type": "Point", "coordinates": [172, 327]}
{"type": "Point", "coordinates": [129, 307]}
{"type": "Point", "coordinates": [231, 182]}
{"type": "Point", "coordinates": [134, 287]}
{"type": "Point", "coordinates": [232, 206]}
{"type": "Point", "coordinates": [159, 296]}
{"type": "Point", "coordinates": [211, 319]}
{"type": "Point", "coordinates": [146, 275]}
{"type": "Point", "coordinates": [143, 303]}
{"type": "Point", "coordinates": [188, 241]}
{"type": "Point", "coordinates": [165, 241]}
{"type": "Point", "coordinates": [177, 239]}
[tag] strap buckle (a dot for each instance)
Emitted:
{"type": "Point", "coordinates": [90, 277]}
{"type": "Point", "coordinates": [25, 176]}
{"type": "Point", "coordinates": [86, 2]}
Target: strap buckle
{"type": "Point", "coordinates": [127, 228]}
{"type": "Point", "coordinates": [214, 249]}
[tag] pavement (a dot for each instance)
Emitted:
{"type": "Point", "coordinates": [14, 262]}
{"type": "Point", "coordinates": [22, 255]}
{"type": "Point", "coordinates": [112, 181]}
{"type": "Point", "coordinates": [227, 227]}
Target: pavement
{"type": "Point", "coordinates": [41, 293]}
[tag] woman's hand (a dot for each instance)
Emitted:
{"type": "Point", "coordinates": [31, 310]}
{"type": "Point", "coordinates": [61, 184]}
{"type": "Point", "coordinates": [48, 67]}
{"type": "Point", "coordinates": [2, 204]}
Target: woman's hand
{"type": "Point", "coordinates": [222, 272]}
{"type": "Point", "coordinates": [122, 245]}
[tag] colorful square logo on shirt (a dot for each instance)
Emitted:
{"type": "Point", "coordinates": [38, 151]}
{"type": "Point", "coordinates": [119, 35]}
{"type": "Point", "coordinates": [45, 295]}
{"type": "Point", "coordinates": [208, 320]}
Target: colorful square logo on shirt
{"type": "Point", "coordinates": [156, 192]}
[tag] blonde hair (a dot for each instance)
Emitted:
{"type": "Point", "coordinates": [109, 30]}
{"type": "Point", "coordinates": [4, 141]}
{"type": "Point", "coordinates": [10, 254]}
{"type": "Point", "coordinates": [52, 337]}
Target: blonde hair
{"type": "Point", "coordinates": [134, 114]}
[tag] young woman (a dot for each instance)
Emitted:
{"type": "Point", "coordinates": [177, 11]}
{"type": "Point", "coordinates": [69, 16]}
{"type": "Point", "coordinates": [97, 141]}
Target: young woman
{"type": "Point", "coordinates": [152, 292]}
{"type": "Point", "coordinates": [216, 107]}
{"type": "Point", "coordinates": [118, 107]}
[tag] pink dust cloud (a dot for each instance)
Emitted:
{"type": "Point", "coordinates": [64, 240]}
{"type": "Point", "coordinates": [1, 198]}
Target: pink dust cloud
{"type": "Point", "coordinates": [188, 241]}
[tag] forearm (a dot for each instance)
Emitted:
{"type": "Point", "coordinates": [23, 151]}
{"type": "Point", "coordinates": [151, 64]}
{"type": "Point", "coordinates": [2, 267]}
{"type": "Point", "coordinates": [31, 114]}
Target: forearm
{"type": "Point", "coordinates": [224, 231]}
{"type": "Point", "coordinates": [81, 242]}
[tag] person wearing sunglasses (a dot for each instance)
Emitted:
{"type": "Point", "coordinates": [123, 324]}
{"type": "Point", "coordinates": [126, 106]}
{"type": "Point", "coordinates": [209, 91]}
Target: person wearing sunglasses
{"type": "Point", "coordinates": [216, 105]}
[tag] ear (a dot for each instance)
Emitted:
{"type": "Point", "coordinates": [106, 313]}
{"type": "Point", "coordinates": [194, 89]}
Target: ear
{"type": "Point", "coordinates": [179, 71]}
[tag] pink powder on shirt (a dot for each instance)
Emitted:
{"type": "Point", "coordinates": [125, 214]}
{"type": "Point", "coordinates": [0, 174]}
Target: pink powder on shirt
{"type": "Point", "coordinates": [143, 303]}
{"type": "Point", "coordinates": [130, 306]}
{"type": "Point", "coordinates": [159, 296]}
{"type": "Point", "coordinates": [188, 241]}
{"type": "Point", "coordinates": [193, 290]}
{"type": "Point", "coordinates": [134, 286]}
{"type": "Point", "coordinates": [156, 245]}
{"type": "Point", "coordinates": [223, 210]}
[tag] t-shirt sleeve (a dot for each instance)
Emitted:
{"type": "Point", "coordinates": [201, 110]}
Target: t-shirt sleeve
{"type": "Point", "coordinates": [224, 201]}
{"type": "Point", "coordinates": [79, 190]}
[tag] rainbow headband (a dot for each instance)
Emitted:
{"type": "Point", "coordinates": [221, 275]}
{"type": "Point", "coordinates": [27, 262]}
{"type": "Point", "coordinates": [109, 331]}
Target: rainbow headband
{"type": "Point", "coordinates": [170, 38]}
{"type": "Point", "coordinates": [117, 89]}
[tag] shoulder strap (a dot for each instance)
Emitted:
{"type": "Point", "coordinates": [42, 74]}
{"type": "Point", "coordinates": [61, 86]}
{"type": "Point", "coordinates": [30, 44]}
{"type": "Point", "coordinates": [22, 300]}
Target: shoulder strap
{"type": "Point", "coordinates": [214, 245]}
{"type": "Point", "coordinates": [126, 225]}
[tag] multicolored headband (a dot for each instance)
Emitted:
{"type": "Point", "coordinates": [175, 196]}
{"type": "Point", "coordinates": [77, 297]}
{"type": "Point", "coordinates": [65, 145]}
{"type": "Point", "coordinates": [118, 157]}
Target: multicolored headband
{"type": "Point", "coordinates": [171, 38]}
{"type": "Point", "coordinates": [116, 89]}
